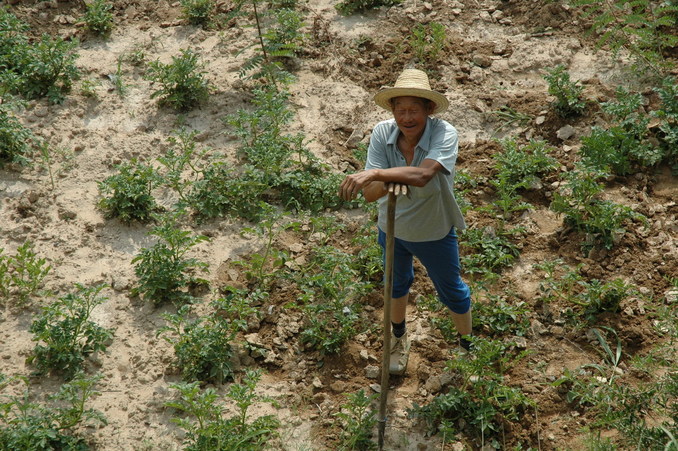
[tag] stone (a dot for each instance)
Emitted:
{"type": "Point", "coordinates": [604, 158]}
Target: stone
{"type": "Point", "coordinates": [372, 371]}
{"type": "Point", "coordinates": [482, 60]}
{"type": "Point", "coordinates": [565, 132]}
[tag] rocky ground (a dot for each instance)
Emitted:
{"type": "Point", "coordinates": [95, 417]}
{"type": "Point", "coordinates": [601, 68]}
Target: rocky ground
{"type": "Point", "coordinates": [495, 57]}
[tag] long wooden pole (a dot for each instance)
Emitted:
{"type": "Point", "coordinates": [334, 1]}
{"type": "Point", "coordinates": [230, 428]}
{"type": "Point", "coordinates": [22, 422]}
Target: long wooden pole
{"type": "Point", "coordinates": [388, 293]}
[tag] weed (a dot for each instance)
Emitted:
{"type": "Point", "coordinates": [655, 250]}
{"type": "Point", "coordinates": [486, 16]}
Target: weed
{"type": "Point", "coordinates": [47, 160]}
{"type": "Point", "coordinates": [510, 117]}
{"type": "Point", "coordinates": [493, 250]}
{"type": "Point", "coordinates": [668, 115]}
{"type": "Point", "coordinates": [16, 140]}
{"type": "Point", "coordinates": [568, 94]}
{"type": "Point", "coordinates": [637, 26]}
{"type": "Point", "coordinates": [98, 17]}
{"type": "Point", "coordinates": [118, 80]}
{"type": "Point", "coordinates": [197, 12]}
{"type": "Point", "coordinates": [463, 183]}
{"type": "Point", "coordinates": [357, 422]}
{"type": "Point", "coordinates": [611, 358]}
{"type": "Point", "coordinates": [428, 41]}
{"type": "Point", "coordinates": [182, 82]}
{"type": "Point", "coordinates": [523, 166]}
{"type": "Point", "coordinates": [65, 333]}
{"type": "Point", "coordinates": [500, 317]}
{"type": "Point", "coordinates": [88, 88]}
{"type": "Point", "coordinates": [601, 220]}
{"type": "Point", "coordinates": [211, 430]}
{"type": "Point", "coordinates": [25, 424]}
{"type": "Point", "coordinates": [348, 7]}
{"type": "Point", "coordinates": [129, 193]}
{"type": "Point", "coordinates": [163, 271]}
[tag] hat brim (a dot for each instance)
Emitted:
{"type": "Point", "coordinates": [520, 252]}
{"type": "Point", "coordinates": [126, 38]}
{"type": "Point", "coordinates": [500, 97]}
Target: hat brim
{"type": "Point", "coordinates": [383, 97]}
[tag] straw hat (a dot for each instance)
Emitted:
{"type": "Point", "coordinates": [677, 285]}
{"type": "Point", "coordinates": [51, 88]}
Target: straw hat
{"type": "Point", "coordinates": [411, 82]}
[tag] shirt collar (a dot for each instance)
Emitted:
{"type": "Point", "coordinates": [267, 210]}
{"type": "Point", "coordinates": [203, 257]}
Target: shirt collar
{"type": "Point", "coordinates": [424, 142]}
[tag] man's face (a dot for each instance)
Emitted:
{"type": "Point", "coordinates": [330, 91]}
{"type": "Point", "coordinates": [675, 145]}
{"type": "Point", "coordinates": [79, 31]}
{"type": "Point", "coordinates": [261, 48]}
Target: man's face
{"type": "Point", "coordinates": [410, 114]}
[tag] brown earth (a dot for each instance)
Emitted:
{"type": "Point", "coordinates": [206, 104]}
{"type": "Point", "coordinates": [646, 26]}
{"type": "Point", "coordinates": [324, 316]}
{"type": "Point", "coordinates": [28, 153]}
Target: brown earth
{"type": "Point", "coordinates": [495, 57]}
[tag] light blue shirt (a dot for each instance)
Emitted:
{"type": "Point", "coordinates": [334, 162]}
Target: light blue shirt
{"type": "Point", "coordinates": [429, 212]}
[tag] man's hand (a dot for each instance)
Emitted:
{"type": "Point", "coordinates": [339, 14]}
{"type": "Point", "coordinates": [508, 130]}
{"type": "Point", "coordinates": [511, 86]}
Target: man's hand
{"type": "Point", "coordinates": [397, 188]}
{"type": "Point", "coordinates": [353, 183]}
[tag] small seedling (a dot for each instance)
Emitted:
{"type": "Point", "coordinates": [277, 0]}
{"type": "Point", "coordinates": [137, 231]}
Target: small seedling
{"type": "Point", "coordinates": [26, 272]}
{"type": "Point", "coordinates": [182, 82]}
{"type": "Point", "coordinates": [197, 12]}
{"type": "Point", "coordinates": [568, 94]}
{"type": "Point", "coordinates": [98, 17]}
{"type": "Point", "coordinates": [428, 41]}
{"type": "Point", "coordinates": [16, 140]}
{"type": "Point", "coordinates": [348, 7]}
{"type": "Point", "coordinates": [358, 422]}
{"type": "Point", "coordinates": [65, 333]}
{"type": "Point", "coordinates": [128, 195]}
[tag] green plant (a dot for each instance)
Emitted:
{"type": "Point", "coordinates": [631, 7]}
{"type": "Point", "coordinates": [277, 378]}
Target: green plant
{"type": "Point", "coordinates": [611, 358]}
{"type": "Point", "coordinates": [197, 12]}
{"type": "Point", "coordinates": [163, 271]}
{"type": "Point", "coordinates": [128, 195]}
{"type": "Point", "coordinates": [668, 115]}
{"type": "Point", "coordinates": [47, 69]}
{"type": "Point", "coordinates": [29, 425]}
{"type": "Point", "coordinates": [182, 82]}
{"type": "Point", "coordinates": [98, 17]}
{"type": "Point", "coordinates": [427, 41]}
{"type": "Point", "coordinates": [88, 88]}
{"type": "Point", "coordinates": [65, 333]}
{"type": "Point", "coordinates": [639, 26]}
{"type": "Point", "coordinates": [182, 157]}
{"type": "Point", "coordinates": [601, 220]}
{"type": "Point", "coordinates": [568, 94]}
{"type": "Point", "coordinates": [16, 140]}
{"type": "Point", "coordinates": [47, 160]}
{"type": "Point", "coordinates": [510, 117]}
{"type": "Point", "coordinates": [25, 272]}
{"type": "Point", "coordinates": [500, 317]}
{"type": "Point", "coordinates": [210, 430]}
{"type": "Point", "coordinates": [493, 250]}
{"type": "Point", "coordinates": [202, 346]}
{"type": "Point", "coordinates": [331, 290]}
{"type": "Point", "coordinates": [348, 7]}
{"type": "Point", "coordinates": [357, 422]}
{"type": "Point", "coordinates": [483, 402]}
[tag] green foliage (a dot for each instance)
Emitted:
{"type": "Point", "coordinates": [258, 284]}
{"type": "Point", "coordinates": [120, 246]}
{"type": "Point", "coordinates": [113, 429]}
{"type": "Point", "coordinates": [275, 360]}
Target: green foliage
{"type": "Point", "coordinates": [182, 82]}
{"type": "Point", "coordinates": [483, 402]}
{"type": "Point", "coordinates": [331, 293]}
{"type": "Point", "coordinates": [487, 250]}
{"type": "Point", "coordinates": [348, 7]}
{"type": "Point", "coordinates": [203, 345]}
{"type": "Point", "coordinates": [28, 425]}
{"type": "Point", "coordinates": [98, 17]}
{"type": "Point", "coordinates": [428, 41]}
{"type": "Point", "coordinates": [644, 415]}
{"type": "Point", "coordinates": [584, 300]}
{"type": "Point", "coordinates": [568, 94]}
{"type": "Point", "coordinates": [65, 333]}
{"type": "Point", "coordinates": [357, 422]}
{"type": "Point", "coordinates": [16, 140]}
{"type": "Point", "coordinates": [210, 430]}
{"type": "Point", "coordinates": [163, 270]}
{"type": "Point", "coordinates": [128, 195]}
{"type": "Point", "coordinates": [22, 274]}
{"type": "Point", "coordinates": [601, 220]}
{"type": "Point", "coordinates": [639, 26]}
{"type": "Point", "coordinates": [668, 116]}
{"type": "Point", "coordinates": [499, 317]}
{"type": "Point", "coordinates": [511, 117]}
{"type": "Point", "coordinates": [197, 12]}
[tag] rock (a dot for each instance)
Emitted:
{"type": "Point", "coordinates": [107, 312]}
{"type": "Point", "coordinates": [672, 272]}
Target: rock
{"type": "Point", "coordinates": [565, 132]}
{"type": "Point", "coordinates": [317, 383]}
{"type": "Point", "coordinates": [338, 386]}
{"type": "Point", "coordinates": [372, 371]}
{"type": "Point", "coordinates": [521, 342]}
{"type": "Point", "coordinates": [540, 120]}
{"type": "Point", "coordinates": [482, 60]}
{"type": "Point", "coordinates": [671, 296]}
{"type": "Point", "coordinates": [485, 16]}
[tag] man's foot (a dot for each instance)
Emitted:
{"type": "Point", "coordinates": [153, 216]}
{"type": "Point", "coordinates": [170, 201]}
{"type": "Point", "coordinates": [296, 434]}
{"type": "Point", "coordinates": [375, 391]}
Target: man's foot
{"type": "Point", "coordinates": [400, 352]}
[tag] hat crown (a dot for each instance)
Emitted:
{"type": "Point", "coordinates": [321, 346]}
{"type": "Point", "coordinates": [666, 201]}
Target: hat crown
{"type": "Point", "coordinates": [413, 78]}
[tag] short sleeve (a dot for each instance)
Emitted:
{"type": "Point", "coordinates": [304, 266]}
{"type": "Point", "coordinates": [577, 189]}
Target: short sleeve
{"type": "Point", "coordinates": [444, 145]}
{"type": "Point", "coordinates": [377, 151]}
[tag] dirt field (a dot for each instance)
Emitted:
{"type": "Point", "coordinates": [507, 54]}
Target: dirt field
{"type": "Point", "coordinates": [495, 57]}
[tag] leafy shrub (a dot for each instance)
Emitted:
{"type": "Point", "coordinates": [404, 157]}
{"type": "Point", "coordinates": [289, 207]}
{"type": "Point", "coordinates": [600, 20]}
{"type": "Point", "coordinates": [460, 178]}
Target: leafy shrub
{"type": "Point", "coordinates": [348, 7]}
{"type": "Point", "coordinates": [48, 69]}
{"type": "Point", "coordinates": [488, 250]}
{"type": "Point", "coordinates": [16, 140]}
{"type": "Point", "coordinates": [210, 430]}
{"type": "Point", "coordinates": [499, 317]}
{"type": "Point", "coordinates": [29, 425]}
{"type": "Point", "coordinates": [312, 188]}
{"type": "Point", "coordinates": [568, 94]}
{"type": "Point", "coordinates": [23, 272]}
{"type": "Point", "coordinates": [98, 17]}
{"type": "Point", "coordinates": [427, 41]}
{"type": "Point", "coordinates": [640, 27]}
{"type": "Point", "coordinates": [668, 115]}
{"type": "Point", "coordinates": [129, 193]}
{"type": "Point", "coordinates": [483, 402]}
{"type": "Point", "coordinates": [163, 271]}
{"type": "Point", "coordinates": [182, 82]}
{"type": "Point", "coordinates": [68, 333]}
{"type": "Point", "coordinates": [331, 290]}
{"type": "Point", "coordinates": [197, 12]}
{"type": "Point", "coordinates": [602, 220]}
{"type": "Point", "coordinates": [357, 421]}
